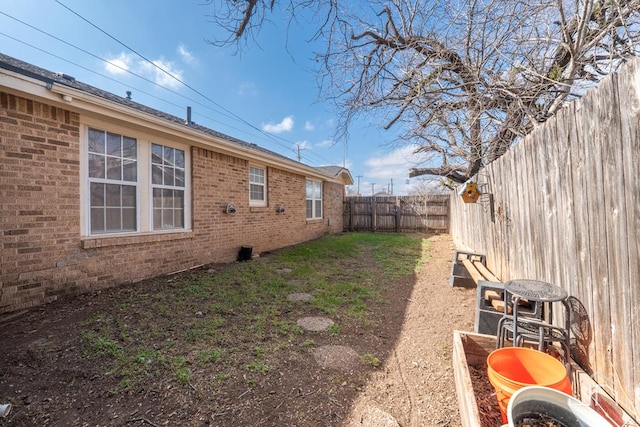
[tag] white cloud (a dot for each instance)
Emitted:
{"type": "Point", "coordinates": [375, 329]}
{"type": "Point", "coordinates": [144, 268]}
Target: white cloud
{"type": "Point", "coordinates": [390, 171]}
{"type": "Point", "coordinates": [163, 73]}
{"type": "Point", "coordinates": [120, 64]}
{"type": "Point", "coordinates": [185, 54]}
{"type": "Point", "coordinates": [127, 62]}
{"type": "Point", "coordinates": [308, 125]}
{"type": "Point", "coordinates": [286, 125]}
{"type": "Point", "coordinates": [394, 164]}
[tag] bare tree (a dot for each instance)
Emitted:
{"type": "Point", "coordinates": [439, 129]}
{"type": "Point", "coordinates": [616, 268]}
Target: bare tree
{"type": "Point", "coordinates": [462, 79]}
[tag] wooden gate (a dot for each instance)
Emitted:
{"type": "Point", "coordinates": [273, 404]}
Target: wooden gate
{"type": "Point", "coordinates": [397, 213]}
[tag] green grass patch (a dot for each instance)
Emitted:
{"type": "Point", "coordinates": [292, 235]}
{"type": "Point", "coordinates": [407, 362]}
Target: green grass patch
{"type": "Point", "coordinates": [334, 329]}
{"type": "Point", "coordinates": [258, 366]}
{"type": "Point", "coordinates": [230, 323]}
{"type": "Point", "coordinates": [371, 359]}
{"type": "Point", "coordinates": [307, 343]}
{"type": "Point", "coordinates": [102, 346]}
{"type": "Point", "coordinates": [206, 357]}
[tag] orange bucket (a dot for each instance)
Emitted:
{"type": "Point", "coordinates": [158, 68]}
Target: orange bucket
{"type": "Point", "coordinates": [512, 368]}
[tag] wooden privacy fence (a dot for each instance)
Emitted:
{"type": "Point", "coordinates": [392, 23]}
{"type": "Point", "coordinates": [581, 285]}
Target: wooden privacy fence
{"type": "Point", "coordinates": [397, 213]}
{"type": "Point", "coordinates": [563, 206]}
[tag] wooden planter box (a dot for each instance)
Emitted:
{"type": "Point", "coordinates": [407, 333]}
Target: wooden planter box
{"type": "Point", "coordinates": [470, 350]}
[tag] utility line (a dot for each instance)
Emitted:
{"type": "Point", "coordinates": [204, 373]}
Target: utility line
{"type": "Point", "coordinates": [94, 71]}
{"type": "Point", "coordinates": [237, 117]}
{"type": "Point", "coordinates": [227, 113]}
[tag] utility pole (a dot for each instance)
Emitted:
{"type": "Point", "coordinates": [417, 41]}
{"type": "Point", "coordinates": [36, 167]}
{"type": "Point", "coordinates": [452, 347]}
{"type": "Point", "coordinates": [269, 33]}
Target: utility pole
{"type": "Point", "coordinates": [298, 149]}
{"type": "Point", "coordinates": [373, 184]}
{"type": "Point", "coordinates": [359, 176]}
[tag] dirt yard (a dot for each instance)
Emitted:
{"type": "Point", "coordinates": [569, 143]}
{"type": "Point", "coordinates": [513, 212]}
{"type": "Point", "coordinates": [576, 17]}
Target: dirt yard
{"type": "Point", "coordinates": [395, 370]}
{"type": "Point", "coordinates": [416, 385]}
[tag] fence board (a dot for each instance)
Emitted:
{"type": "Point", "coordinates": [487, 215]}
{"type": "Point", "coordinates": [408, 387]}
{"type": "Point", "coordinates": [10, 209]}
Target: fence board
{"type": "Point", "coordinates": [616, 229]}
{"type": "Point", "coordinates": [592, 121]}
{"type": "Point", "coordinates": [566, 205]}
{"type": "Point", "coordinates": [630, 135]}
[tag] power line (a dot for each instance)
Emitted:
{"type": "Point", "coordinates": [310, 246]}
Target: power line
{"type": "Point", "coordinates": [99, 58]}
{"type": "Point", "coordinates": [227, 113]}
{"type": "Point", "coordinates": [269, 135]}
{"type": "Point", "coordinates": [92, 71]}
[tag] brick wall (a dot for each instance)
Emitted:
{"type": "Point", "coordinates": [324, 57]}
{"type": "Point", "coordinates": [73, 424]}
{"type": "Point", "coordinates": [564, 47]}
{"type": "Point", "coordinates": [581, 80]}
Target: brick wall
{"type": "Point", "coordinates": [43, 255]}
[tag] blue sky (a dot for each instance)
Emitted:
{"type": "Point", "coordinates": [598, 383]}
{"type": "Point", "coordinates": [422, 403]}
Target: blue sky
{"type": "Point", "coordinates": [267, 94]}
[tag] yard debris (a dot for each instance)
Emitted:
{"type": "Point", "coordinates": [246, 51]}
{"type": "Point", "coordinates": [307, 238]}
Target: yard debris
{"type": "Point", "coordinates": [144, 420]}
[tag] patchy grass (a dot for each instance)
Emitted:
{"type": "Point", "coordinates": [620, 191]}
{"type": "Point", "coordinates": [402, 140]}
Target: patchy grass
{"type": "Point", "coordinates": [234, 323]}
{"type": "Point", "coordinates": [371, 360]}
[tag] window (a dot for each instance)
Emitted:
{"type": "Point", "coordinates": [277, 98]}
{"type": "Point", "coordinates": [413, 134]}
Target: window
{"type": "Point", "coordinates": [113, 182]}
{"type": "Point", "coordinates": [314, 199]}
{"type": "Point", "coordinates": [134, 184]}
{"type": "Point", "coordinates": [257, 187]}
{"type": "Point", "coordinates": [167, 181]}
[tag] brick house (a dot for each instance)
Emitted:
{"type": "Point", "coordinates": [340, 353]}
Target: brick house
{"type": "Point", "coordinates": [97, 190]}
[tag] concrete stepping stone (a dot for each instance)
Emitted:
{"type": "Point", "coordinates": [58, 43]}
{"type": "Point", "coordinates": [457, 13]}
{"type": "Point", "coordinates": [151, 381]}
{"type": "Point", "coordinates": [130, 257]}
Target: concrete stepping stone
{"type": "Point", "coordinates": [373, 416]}
{"type": "Point", "coordinates": [299, 297]}
{"type": "Point", "coordinates": [338, 357]}
{"type": "Point", "coordinates": [315, 323]}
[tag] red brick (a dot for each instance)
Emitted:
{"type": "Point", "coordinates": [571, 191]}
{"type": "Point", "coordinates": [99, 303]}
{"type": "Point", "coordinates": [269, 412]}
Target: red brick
{"type": "Point", "coordinates": [40, 204]}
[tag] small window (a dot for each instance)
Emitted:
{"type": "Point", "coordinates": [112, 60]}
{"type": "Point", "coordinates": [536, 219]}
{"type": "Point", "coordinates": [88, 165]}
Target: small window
{"type": "Point", "coordinates": [314, 199]}
{"type": "Point", "coordinates": [257, 186]}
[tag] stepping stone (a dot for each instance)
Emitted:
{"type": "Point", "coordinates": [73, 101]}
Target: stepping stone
{"type": "Point", "coordinates": [284, 270]}
{"type": "Point", "coordinates": [297, 282]}
{"type": "Point", "coordinates": [315, 323]}
{"type": "Point", "coordinates": [338, 357]}
{"type": "Point", "coordinates": [373, 416]}
{"type": "Point", "coordinates": [299, 297]}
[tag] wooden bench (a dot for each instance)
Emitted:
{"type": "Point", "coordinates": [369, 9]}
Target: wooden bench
{"type": "Point", "coordinates": [469, 269]}
{"type": "Point", "coordinates": [491, 291]}
{"type": "Point", "coordinates": [460, 275]}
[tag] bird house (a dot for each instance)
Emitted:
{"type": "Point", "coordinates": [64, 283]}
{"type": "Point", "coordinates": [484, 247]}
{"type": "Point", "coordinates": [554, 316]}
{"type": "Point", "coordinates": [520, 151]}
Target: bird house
{"type": "Point", "coordinates": [470, 192]}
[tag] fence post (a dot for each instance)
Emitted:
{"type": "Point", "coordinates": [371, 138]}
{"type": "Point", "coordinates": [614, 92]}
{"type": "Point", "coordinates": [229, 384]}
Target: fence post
{"type": "Point", "coordinates": [398, 215]}
{"type": "Point", "coordinates": [373, 213]}
{"type": "Point", "coordinates": [352, 209]}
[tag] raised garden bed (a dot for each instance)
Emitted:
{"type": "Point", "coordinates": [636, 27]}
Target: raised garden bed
{"type": "Point", "coordinates": [476, 399]}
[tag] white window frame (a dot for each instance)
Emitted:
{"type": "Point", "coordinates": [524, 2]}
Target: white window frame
{"type": "Point", "coordinates": [144, 193]}
{"type": "Point", "coordinates": [115, 168]}
{"type": "Point", "coordinates": [257, 183]}
{"type": "Point", "coordinates": [315, 197]}
{"type": "Point", "coordinates": [172, 172]}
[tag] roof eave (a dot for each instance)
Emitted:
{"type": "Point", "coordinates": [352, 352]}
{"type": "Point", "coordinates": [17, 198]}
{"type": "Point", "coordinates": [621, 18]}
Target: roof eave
{"type": "Point", "coordinates": [85, 103]}
{"type": "Point", "coordinates": [104, 107]}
